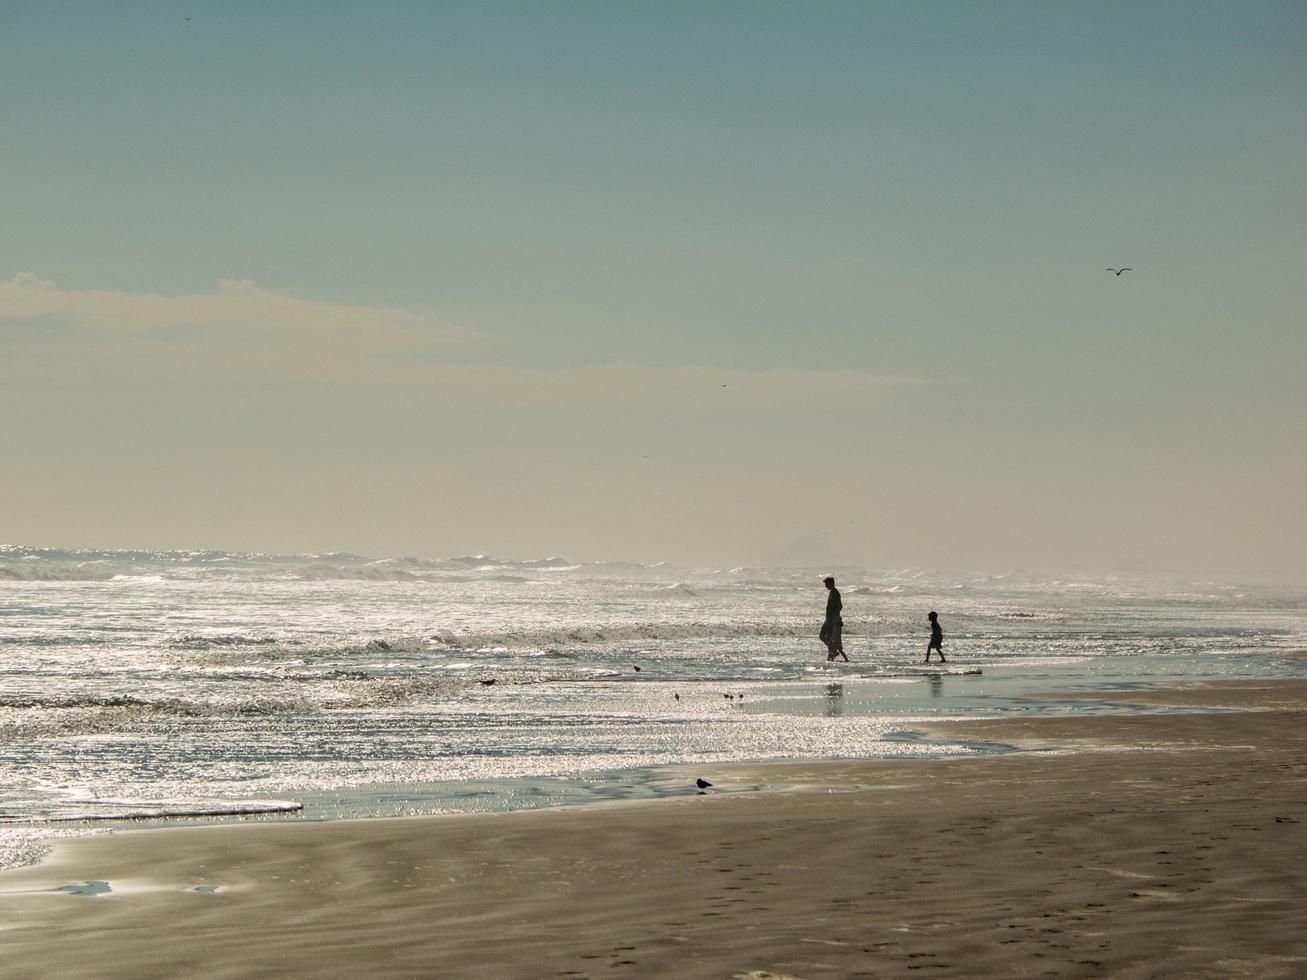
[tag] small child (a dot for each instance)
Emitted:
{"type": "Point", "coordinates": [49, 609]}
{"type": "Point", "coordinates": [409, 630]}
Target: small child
{"type": "Point", "coordinates": [936, 638]}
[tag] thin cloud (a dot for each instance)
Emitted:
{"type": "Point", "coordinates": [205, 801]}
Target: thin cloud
{"type": "Point", "coordinates": [238, 304]}
{"type": "Point", "coordinates": [244, 334]}
{"type": "Point", "coordinates": [704, 387]}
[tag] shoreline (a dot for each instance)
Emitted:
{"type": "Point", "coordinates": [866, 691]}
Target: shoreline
{"type": "Point", "coordinates": [389, 800]}
{"type": "Point", "coordinates": [983, 865]}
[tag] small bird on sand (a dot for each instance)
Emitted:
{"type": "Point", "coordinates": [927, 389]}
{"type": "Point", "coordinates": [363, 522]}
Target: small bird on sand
{"type": "Point", "coordinates": [1125, 268]}
{"type": "Point", "coordinates": [677, 696]}
{"type": "Point", "coordinates": [487, 683]}
{"type": "Point", "coordinates": [729, 697]}
{"type": "Point", "coordinates": [702, 783]}
{"type": "Point", "coordinates": [637, 667]}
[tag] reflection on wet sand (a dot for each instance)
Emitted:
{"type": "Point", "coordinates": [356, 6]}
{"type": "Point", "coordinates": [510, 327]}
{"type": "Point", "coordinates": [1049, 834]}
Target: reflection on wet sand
{"type": "Point", "coordinates": [834, 700]}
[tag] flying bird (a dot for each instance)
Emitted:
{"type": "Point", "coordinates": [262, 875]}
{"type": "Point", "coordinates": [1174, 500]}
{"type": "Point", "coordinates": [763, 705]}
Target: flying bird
{"type": "Point", "coordinates": [1119, 271]}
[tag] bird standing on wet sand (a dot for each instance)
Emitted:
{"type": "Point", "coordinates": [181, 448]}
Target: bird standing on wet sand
{"type": "Point", "coordinates": [703, 784]}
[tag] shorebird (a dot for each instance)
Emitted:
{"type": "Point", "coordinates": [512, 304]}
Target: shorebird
{"type": "Point", "coordinates": [487, 683]}
{"type": "Point", "coordinates": [1125, 268]}
{"type": "Point", "coordinates": [637, 667]}
{"type": "Point", "coordinates": [702, 783]}
{"type": "Point", "coordinates": [677, 696]}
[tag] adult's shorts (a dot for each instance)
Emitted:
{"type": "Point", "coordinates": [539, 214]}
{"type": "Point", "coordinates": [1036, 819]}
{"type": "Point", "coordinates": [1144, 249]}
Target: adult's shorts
{"type": "Point", "coordinates": [832, 632]}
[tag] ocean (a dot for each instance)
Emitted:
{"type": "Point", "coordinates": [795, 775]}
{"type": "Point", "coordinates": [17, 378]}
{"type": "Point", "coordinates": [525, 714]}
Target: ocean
{"type": "Point", "coordinates": [138, 687]}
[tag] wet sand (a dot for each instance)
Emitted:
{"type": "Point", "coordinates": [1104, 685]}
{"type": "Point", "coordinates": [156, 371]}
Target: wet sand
{"type": "Point", "coordinates": [1165, 846]}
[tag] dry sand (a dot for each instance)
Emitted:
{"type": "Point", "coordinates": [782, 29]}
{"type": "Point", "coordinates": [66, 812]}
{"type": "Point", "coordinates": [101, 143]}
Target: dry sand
{"type": "Point", "coordinates": [1184, 858]}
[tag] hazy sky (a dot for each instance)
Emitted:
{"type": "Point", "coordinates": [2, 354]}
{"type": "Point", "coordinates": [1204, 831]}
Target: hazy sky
{"type": "Point", "coordinates": [669, 281]}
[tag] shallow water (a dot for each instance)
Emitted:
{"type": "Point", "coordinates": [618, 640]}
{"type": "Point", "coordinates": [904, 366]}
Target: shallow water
{"type": "Point", "coordinates": [166, 684]}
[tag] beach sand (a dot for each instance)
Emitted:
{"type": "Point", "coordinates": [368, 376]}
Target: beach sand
{"type": "Point", "coordinates": [1165, 846]}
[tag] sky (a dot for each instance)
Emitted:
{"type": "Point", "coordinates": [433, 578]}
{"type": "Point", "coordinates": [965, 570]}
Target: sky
{"type": "Point", "coordinates": [724, 283]}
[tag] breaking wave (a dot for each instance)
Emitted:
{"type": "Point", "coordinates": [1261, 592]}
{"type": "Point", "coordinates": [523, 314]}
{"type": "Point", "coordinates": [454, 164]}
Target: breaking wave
{"type": "Point", "coordinates": [27, 564]}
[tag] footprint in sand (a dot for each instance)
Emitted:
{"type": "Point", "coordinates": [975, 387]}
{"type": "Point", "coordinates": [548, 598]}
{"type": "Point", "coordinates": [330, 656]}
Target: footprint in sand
{"type": "Point", "coordinates": [1156, 896]}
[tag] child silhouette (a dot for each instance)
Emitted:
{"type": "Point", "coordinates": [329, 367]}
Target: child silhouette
{"type": "Point", "coordinates": [936, 638]}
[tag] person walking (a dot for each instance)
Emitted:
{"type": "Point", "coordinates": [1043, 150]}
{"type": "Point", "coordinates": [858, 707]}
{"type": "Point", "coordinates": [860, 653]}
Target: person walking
{"type": "Point", "coordinates": [936, 638]}
{"type": "Point", "coordinates": [832, 630]}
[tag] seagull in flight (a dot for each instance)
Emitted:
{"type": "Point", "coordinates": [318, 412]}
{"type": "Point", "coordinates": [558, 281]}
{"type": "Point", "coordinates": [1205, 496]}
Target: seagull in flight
{"type": "Point", "coordinates": [1119, 271]}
